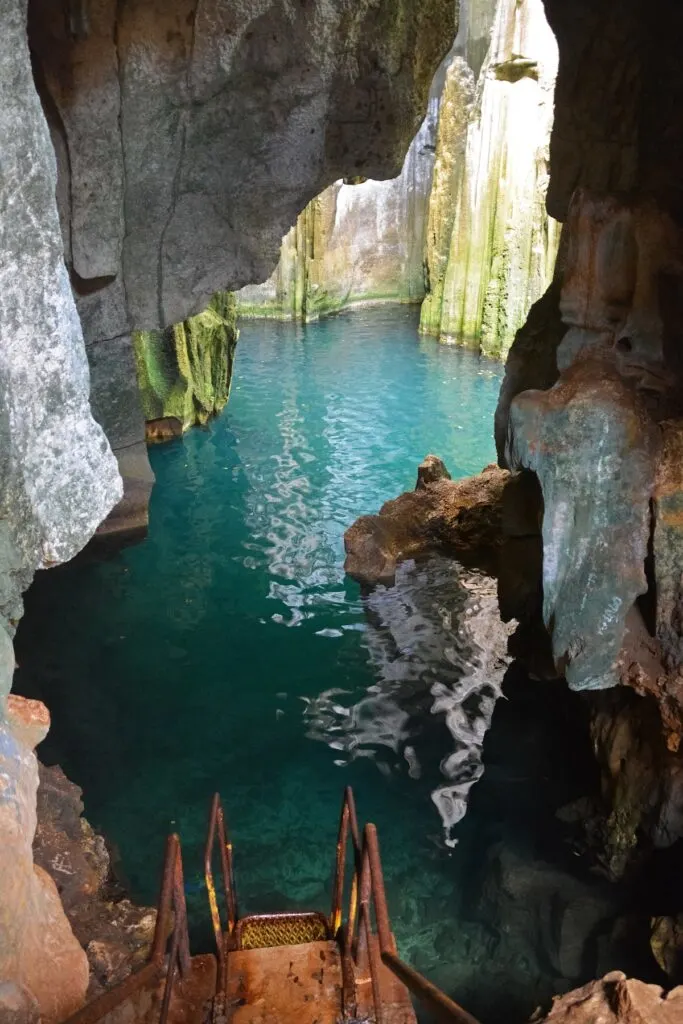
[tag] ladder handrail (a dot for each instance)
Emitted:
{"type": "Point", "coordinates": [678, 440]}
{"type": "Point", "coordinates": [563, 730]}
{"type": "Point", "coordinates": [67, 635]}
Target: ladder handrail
{"type": "Point", "coordinates": [218, 832]}
{"type": "Point", "coordinates": [171, 908]}
{"type": "Point", "coordinates": [356, 934]}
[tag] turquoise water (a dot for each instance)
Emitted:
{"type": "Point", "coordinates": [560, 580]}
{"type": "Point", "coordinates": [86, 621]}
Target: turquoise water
{"type": "Point", "coordinates": [228, 651]}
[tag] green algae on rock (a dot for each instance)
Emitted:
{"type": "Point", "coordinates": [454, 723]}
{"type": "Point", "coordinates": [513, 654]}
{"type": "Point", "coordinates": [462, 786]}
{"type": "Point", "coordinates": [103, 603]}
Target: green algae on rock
{"type": "Point", "coordinates": [184, 372]}
{"type": "Point", "coordinates": [495, 252]}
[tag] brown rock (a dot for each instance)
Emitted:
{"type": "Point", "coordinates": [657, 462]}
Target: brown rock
{"type": "Point", "coordinates": [164, 429]}
{"type": "Point", "coordinates": [459, 516]}
{"type": "Point", "coordinates": [431, 469]}
{"type": "Point", "coordinates": [616, 999]}
{"type": "Point", "coordinates": [116, 933]}
{"type": "Point", "coordinates": [38, 951]}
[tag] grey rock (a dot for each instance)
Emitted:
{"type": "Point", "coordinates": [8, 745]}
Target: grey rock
{"type": "Point", "coordinates": [212, 126]}
{"type": "Point", "coordinates": [58, 478]}
{"type": "Point", "coordinates": [593, 448]}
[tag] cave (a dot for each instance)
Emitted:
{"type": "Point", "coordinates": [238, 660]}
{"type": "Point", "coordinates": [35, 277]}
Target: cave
{"type": "Point", "coordinates": [259, 259]}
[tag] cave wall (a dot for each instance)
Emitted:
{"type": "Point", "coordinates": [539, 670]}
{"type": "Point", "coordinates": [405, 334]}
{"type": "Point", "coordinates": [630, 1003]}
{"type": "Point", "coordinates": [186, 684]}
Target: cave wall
{"type": "Point", "coordinates": [592, 402]}
{"type": "Point", "coordinates": [491, 246]}
{"type": "Point", "coordinates": [354, 243]}
{"type": "Point", "coordinates": [189, 136]}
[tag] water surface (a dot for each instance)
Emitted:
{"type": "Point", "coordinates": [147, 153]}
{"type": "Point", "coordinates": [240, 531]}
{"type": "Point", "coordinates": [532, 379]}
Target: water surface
{"type": "Point", "coordinates": [229, 651]}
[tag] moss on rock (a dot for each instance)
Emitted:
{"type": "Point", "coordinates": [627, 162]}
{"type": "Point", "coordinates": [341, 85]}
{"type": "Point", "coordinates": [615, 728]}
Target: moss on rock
{"type": "Point", "coordinates": [184, 372]}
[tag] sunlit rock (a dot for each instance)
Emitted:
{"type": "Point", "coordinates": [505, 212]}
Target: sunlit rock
{"type": "Point", "coordinates": [502, 244]}
{"type": "Point", "coordinates": [616, 999]}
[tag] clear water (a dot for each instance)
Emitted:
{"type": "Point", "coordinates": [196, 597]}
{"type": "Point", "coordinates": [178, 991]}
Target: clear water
{"type": "Point", "coordinates": [229, 651]}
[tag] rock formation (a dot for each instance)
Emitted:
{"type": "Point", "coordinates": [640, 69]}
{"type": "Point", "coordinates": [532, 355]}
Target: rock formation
{"type": "Point", "coordinates": [184, 372]}
{"type": "Point", "coordinates": [616, 999]}
{"type": "Point", "coordinates": [354, 243]}
{"type": "Point", "coordinates": [190, 135]}
{"type": "Point", "coordinates": [464, 225]}
{"type": "Point", "coordinates": [463, 517]}
{"type": "Point", "coordinates": [493, 252]}
{"type": "Point", "coordinates": [186, 137]}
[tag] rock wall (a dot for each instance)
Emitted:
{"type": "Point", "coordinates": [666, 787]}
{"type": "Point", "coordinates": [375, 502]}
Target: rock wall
{"type": "Point", "coordinates": [464, 225]}
{"type": "Point", "coordinates": [354, 243]}
{"type": "Point", "coordinates": [603, 433]}
{"type": "Point", "coordinates": [491, 246]}
{"type": "Point", "coordinates": [189, 135]}
{"type": "Point", "coordinates": [184, 372]}
{"type": "Point", "coordinates": [58, 480]}
{"type": "Point", "coordinates": [175, 143]}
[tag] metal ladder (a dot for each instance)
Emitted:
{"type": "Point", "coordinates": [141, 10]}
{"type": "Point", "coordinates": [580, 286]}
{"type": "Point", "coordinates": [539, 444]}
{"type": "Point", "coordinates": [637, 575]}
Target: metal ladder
{"type": "Point", "coordinates": [278, 967]}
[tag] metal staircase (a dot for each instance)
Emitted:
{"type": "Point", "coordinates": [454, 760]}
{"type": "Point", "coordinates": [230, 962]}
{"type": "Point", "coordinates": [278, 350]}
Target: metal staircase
{"type": "Point", "coordinates": [277, 968]}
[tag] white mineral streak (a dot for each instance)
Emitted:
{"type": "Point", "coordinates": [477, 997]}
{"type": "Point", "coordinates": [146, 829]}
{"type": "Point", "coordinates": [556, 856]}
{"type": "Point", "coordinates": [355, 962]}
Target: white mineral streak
{"type": "Point", "coordinates": [503, 244]}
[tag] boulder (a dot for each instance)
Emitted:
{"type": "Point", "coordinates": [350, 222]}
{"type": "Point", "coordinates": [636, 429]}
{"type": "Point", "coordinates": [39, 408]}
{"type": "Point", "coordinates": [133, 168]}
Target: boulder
{"type": "Point", "coordinates": [462, 517]}
{"type": "Point", "coordinates": [616, 999]}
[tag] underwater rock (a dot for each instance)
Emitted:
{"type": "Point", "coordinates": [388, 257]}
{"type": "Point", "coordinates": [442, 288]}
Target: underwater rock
{"type": "Point", "coordinates": [541, 909]}
{"type": "Point", "coordinates": [616, 999]}
{"type": "Point", "coordinates": [460, 516]}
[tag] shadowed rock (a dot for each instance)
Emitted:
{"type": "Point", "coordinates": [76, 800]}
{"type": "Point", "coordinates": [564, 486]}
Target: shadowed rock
{"type": "Point", "coordinates": [461, 516]}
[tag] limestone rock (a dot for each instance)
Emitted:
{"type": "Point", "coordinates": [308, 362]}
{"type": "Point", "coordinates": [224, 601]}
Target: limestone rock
{"type": "Point", "coordinates": [593, 448]}
{"type": "Point", "coordinates": [460, 516]}
{"type": "Point", "coordinates": [666, 942]}
{"type": "Point", "coordinates": [58, 478]}
{"type": "Point", "coordinates": [532, 361]}
{"type": "Point", "coordinates": [502, 245]}
{"type": "Point", "coordinates": [17, 1005]}
{"type": "Point", "coordinates": [641, 779]}
{"type": "Point", "coordinates": [668, 545]}
{"type": "Point", "coordinates": [455, 110]}
{"type": "Point", "coordinates": [38, 951]}
{"type": "Point", "coordinates": [431, 469]}
{"type": "Point", "coordinates": [227, 122]}
{"type": "Point", "coordinates": [115, 933]}
{"type": "Point", "coordinates": [184, 373]}
{"type": "Point", "coordinates": [616, 999]}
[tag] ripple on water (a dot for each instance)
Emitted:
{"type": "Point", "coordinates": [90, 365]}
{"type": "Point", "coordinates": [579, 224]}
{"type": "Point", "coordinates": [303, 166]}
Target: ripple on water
{"type": "Point", "coordinates": [229, 650]}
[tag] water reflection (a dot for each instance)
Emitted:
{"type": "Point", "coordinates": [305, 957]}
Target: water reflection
{"type": "Point", "coordinates": [439, 652]}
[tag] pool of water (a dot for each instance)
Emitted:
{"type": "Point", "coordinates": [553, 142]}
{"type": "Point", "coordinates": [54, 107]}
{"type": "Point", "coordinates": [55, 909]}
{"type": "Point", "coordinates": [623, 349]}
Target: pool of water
{"type": "Point", "coordinates": [229, 651]}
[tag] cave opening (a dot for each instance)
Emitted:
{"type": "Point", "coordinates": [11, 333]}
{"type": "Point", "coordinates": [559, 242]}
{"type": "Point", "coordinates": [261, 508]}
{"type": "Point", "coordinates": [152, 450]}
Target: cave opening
{"type": "Point", "coordinates": [199, 172]}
